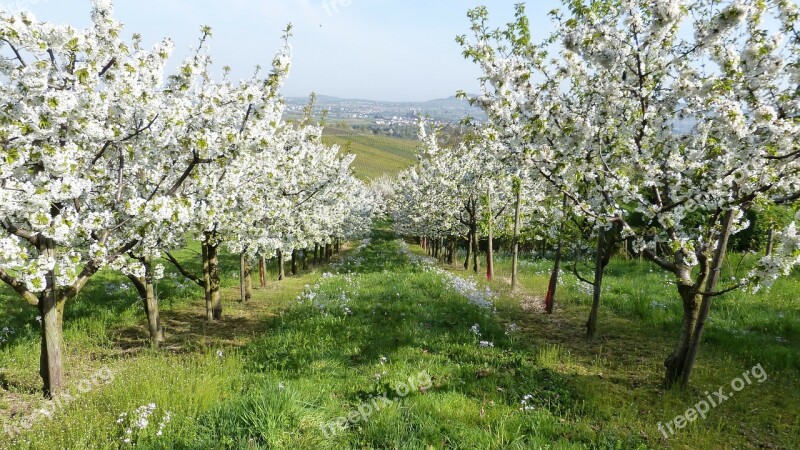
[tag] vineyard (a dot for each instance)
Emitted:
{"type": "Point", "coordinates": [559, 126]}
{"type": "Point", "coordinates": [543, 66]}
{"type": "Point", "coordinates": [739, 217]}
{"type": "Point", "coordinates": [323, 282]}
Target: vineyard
{"type": "Point", "coordinates": [375, 155]}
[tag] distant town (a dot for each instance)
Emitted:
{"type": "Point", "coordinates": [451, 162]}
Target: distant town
{"type": "Point", "coordinates": [390, 117]}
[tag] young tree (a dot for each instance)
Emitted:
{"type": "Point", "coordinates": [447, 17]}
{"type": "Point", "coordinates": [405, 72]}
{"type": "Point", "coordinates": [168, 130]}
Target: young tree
{"type": "Point", "coordinates": [230, 129]}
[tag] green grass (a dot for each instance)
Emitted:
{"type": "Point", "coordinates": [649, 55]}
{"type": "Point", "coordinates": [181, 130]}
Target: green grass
{"type": "Point", "coordinates": [375, 155]}
{"type": "Point", "coordinates": [618, 374]}
{"type": "Point", "coordinates": [275, 373]}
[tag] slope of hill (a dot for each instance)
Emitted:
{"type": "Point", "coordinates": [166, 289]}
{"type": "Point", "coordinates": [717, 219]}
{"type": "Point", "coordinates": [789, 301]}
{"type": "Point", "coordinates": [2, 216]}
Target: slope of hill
{"type": "Point", "coordinates": [375, 155]}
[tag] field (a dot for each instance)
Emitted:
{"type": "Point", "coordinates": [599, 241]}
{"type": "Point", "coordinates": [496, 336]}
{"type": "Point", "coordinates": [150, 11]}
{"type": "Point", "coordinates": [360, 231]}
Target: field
{"type": "Point", "coordinates": [375, 155]}
{"type": "Point", "coordinates": [384, 339]}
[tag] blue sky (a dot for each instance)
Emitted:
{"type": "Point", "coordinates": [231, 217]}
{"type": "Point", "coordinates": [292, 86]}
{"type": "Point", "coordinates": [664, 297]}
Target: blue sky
{"type": "Point", "coordinates": [400, 50]}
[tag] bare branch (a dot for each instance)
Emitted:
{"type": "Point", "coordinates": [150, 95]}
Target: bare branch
{"type": "Point", "coordinates": [184, 271]}
{"type": "Point", "coordinates": [108, 66]}
{"type": "Point", "coordinates": [16, 52]}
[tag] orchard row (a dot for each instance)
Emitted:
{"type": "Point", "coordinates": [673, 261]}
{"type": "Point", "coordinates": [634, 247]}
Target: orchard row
{"type": "Point", "coordinates": [107, 162]}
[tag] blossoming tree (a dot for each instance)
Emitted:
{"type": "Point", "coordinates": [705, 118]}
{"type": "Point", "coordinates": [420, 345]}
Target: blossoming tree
{"type": "Point", "coordinates": [635, 129]}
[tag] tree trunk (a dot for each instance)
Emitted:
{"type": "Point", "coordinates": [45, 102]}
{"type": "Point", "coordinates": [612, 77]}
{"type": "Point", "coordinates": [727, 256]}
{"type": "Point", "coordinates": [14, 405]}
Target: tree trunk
{"type": "Point", "coordinates": [599, 270]}
{"type": "Point", "coordinates": [207, 280]}
{"type": "Point", "coordinates": [245, 279]}
{"type": "Point", "coordinates": [515, 241]}
{"type": "Point", "coordinates": [469, 249]}
{"type": "Point", "coordinates": [770, 240]}
{"type": "Point", "coordinates": [147, 292]}
{"type": "Point", "coordinates": [328, 252]}
{"type": "Point", "coordinates": [490, 246]}
{"type": "Point", "coordinates": [51, 309]}
{"type": "Point", "coordinates": [316, 254]}
{"type": "Point", "coordinates": [262, 270]}
{"type": "Point", "coordinates": [248, 281]}
{"type": "Point", "coordinates": [708, 296]}
{"type": "Point", "coordinates": [674, 364]}
{"type": "Point", "coordinates": [151, 303]}
{"type": "Point", "coordinates": [476, 249]}
{"type": "Point", "coordinates": [281, 268]}
{"type": "Point", "coordinates": [241, 278]}
{"type": "Point", "coordinates": [553, 285]}
{"type": "Point", "coordinates": [451, 256]}
{"type": "Point", "coordinates": [294, 262]}
{"type": "Point", "coordinates": [337, 246]}
{"type": "Point", "coordinates": [213, 267]}
{"type": "Point", "coordinates": [305, 259]}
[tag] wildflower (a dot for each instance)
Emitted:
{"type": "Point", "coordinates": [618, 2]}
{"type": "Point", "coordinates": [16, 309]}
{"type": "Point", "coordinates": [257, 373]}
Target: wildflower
{"type": "Point", "coordinates": [513, 328]}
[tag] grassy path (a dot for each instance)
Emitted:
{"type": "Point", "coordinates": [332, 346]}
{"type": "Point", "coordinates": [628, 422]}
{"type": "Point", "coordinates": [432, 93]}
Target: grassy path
{"type": "Point", "coordinates": [385, 350]}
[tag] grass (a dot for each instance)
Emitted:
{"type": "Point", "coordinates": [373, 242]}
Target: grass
{"type": "Point", "coordinates": [618, 374]}
{"type": "Point", "coordinates": [389, 342]}
{"type": "Point", "coordinates": [375, 155]}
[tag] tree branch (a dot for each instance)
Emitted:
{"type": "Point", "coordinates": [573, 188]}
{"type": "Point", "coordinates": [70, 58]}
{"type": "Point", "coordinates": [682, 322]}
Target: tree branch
{"type": "Point", "coordinates": [28, 236]}
{"type": "Point", "coordinates": [183, 270]}
{"type": "Point", "coordinates": [107, 67]}
{"type": "Point", "coordinates": [20, 288]}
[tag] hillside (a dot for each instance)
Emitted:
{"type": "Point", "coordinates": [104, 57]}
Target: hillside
{"type": "Point", "coordinates": [375, 155]}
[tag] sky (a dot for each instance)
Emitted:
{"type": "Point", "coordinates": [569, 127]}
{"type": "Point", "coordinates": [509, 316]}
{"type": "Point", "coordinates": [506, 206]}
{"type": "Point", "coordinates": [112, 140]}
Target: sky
{"type": "Point", "coordinates": [396, 50]}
